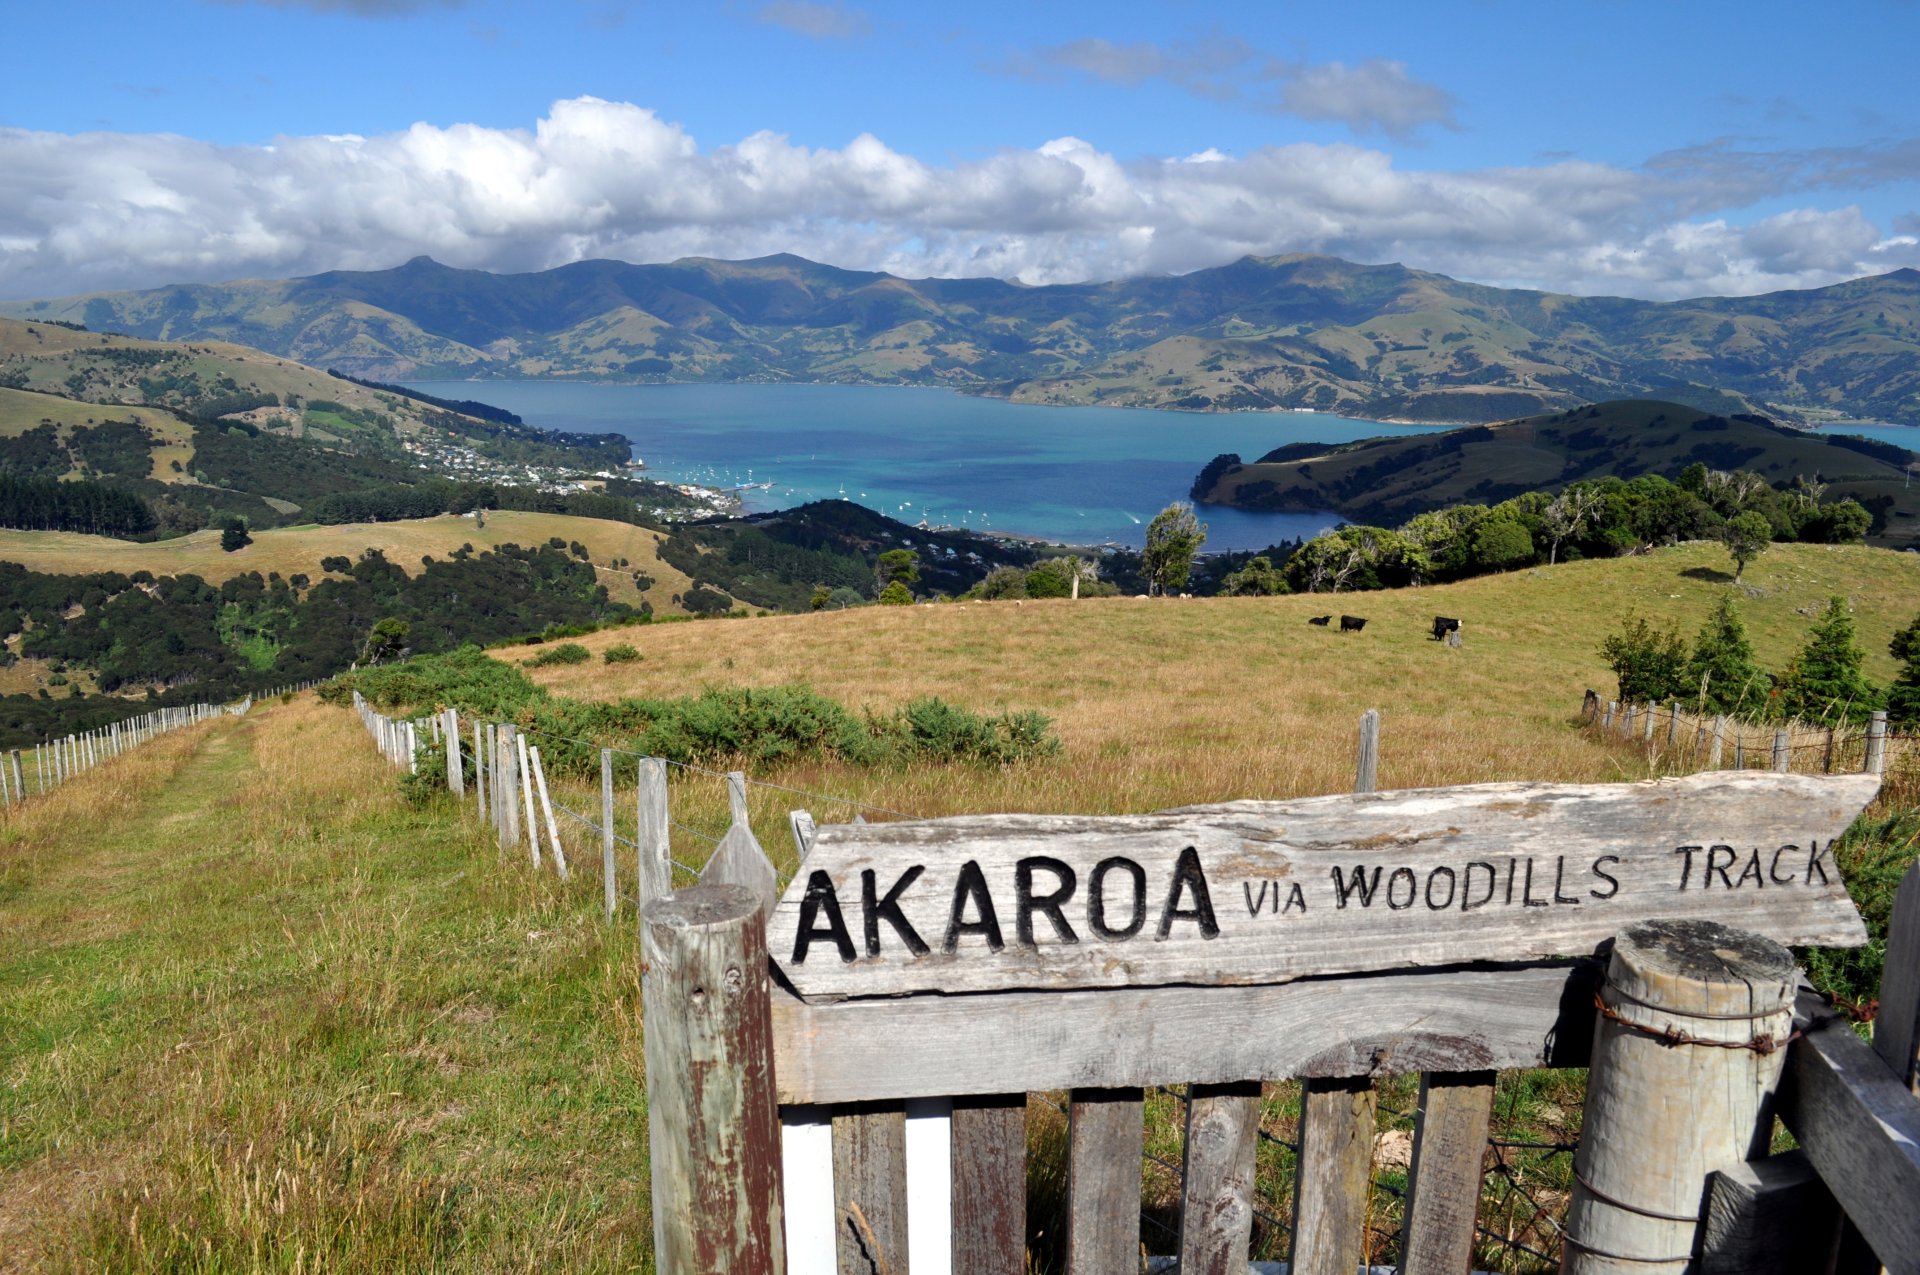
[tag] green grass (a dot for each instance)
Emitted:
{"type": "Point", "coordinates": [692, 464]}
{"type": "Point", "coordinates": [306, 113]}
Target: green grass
{"type": "Point", "coordinates": [257, 1014]}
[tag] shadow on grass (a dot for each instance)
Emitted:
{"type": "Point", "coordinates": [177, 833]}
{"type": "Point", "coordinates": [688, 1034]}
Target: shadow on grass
{"type": "Point", "coordinates": [1709, 574]}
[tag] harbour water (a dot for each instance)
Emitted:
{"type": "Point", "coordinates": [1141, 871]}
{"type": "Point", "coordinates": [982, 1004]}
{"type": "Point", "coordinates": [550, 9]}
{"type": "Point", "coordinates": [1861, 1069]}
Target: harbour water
{"type": "Point", "coordinates": [1085, 475]}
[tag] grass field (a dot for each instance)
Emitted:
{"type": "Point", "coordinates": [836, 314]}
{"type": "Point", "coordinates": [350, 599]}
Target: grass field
{"type": "Point", "coordinates": [256, 1013]}
{"type": "Point", "coordinates": [21, 411]}
{"type": "Point", "coordinates": [291, 550]}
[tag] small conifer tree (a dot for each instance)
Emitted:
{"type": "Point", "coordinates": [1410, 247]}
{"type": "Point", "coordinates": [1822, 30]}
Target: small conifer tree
{"type": "Point", "coordinates": [1825, 682]}
{"type": "Point", "coordinates": [1721, 676]}
{"type": "Point", "coordinates": [1903, 699]}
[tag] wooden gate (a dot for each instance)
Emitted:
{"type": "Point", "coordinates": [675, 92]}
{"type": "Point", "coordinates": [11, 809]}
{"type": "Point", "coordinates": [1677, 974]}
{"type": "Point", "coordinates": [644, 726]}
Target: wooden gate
{"type": "Point", "coordinates": [838, 1078]}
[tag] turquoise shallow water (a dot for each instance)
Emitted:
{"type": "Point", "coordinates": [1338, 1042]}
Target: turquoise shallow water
{"type": "Point", "coordinates": [1086, 475]}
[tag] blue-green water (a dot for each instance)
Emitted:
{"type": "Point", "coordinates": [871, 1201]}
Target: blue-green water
{"type": "Point", "coordinates": [1085, 475]}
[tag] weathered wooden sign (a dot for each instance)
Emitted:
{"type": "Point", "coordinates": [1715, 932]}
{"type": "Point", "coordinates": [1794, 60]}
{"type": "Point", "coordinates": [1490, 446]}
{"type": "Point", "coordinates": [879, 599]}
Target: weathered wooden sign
{"type": "Point", "coordinates": [1263, 892]}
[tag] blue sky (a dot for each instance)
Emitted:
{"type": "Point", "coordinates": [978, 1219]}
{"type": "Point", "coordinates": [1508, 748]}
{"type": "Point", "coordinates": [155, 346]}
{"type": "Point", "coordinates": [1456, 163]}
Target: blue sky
{"type": "Point", "coordinates": [1640, 149]}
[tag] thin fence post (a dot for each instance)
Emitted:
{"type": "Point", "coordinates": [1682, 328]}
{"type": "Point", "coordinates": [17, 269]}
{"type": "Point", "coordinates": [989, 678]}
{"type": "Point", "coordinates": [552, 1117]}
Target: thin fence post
{"type": "Point", "coordinates": [653, 834]}
{"type": "Point", "coordinates": [1366, 772]}
{"type": "Point", "coordinates": [1674, 990]}
{"type": "Point", "coordinates": [713, 1126]}
{"type": "Point", "coordinates": [479, 773]}
{"type": "Point", "coordinates": [1651, 710]}
{"type": "Point", "coordinates": [523, 789]}
{"type": "Point", "coordinates": [1719, 741]}
{"type": "Point", "coordinates": [1782, 754]}
{"type": "Point", "coordinates": [606, 832]}
{"type": "Point", "coordinates": [1877, 743]}
{"type": "Point", "coordinates": [546, 805]}
{"type": "Point", "coordinates": [1606, 723]}
{"type": "Point", "coordinates": [456, 773]}
{"type": "Point", "coordinates": [1827, 761]}
{"type": "Point", "coordinates": [737, 796]}
{"type": "Point", "coordinates": [1673, 722]}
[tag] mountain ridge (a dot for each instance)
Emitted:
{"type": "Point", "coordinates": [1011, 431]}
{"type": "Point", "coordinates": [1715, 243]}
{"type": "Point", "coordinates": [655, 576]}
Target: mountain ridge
{"type": "Point", "coordinates": [1261, 333]}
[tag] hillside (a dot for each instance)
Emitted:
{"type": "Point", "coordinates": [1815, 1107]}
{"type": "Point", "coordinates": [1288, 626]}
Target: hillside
{"type": "Point", "coordinates": [260, 1009]}
{"type": "Point", "coordinates": [1387, 480]}
{"type": "Point", "coordinates": [1380, 341]}
{"type": "Point", "coordinates": [267, 394]}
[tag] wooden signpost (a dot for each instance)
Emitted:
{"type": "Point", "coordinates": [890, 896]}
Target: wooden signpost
{"type": "Point", "coordinates": [1263, 892]}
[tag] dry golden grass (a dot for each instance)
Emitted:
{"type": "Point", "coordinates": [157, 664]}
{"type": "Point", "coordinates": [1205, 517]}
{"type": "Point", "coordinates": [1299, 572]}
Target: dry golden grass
{"type": "Point", "coordinates": [1167, 702]}
{"type": "Point", "coordinates": [21, 410]}
{"type": "Point", "coordinates": [298, 550]}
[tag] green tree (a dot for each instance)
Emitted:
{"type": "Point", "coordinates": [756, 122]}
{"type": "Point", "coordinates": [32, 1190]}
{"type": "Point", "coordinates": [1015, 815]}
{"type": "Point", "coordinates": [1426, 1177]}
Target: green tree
{"type": "Point", "coordinates": [1721, 676]}
{"type": "Point", "coordinates": [821, 596]}
{"type": "Point", "coordinates": [1649, 663]}
{"type": "Point", "coordinates": [1173, 538]}
{"type": "Point", "coordinates": [1825, 682]}
{"type": "Point", "coordinates": [233, 535]}
{"type": "Point", "coordinates": [1257, 579]}
{"type": "Point", "coordinates": [1747, 536]}
{"type": "Point", "coordinates": [896, 595]}
{"type": "Point", "coordinates": [1903, 699]}
{"type": "Point", "coordinates": [902, 565]}
{"type": "Point", "coordinates": [387, 641]}
{"type": "Point", "coordinates": [1501, 544]}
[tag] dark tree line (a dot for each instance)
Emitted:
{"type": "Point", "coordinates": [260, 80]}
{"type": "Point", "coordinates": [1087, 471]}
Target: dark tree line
{"type": "Point", "coordinates": [45, 504]}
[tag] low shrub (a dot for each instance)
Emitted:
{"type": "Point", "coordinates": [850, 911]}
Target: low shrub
{"type": "Point", "coordinates": [565, 653]}
{"type": "Point", "coordinates": [623, 653]}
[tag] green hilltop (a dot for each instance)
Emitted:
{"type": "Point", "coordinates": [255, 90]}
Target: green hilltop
{"type": "Point", "coordinates": [1303, 332]}
{"type": "Point", "coordinates": [1388, 480]}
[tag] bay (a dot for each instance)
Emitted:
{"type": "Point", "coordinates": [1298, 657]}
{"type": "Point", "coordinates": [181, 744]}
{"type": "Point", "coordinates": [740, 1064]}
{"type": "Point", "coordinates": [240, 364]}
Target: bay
{"type": "Point", "coordinates": [1081, 475]}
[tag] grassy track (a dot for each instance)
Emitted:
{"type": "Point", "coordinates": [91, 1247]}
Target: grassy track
{"type": "Point", "coordinates": [256, 1014]}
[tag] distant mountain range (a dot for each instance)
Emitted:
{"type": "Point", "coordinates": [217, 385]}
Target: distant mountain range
{"type": "Point", "coordinates": [1384, 342]}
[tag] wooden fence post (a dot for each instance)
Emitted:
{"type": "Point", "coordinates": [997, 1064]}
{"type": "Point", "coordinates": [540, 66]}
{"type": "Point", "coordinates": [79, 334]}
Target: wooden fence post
{"type": "Point", "coordinates": [653, 835]}
{"type": "Point", "coordinates": [1782, 754]}
{"type": "Point", "coordinates": [1694, 1020]}
{"type": "Point", "coordinates": [1366, 771]}
{"type": "Point", "coordinates": [546, 804]}
{"type": "Point", "coordinates": [479, 773]}
{"type": "Point", "coordinates": [1335, 1175]}
{"type": "Point", "coordinates": [607, 869]}
{"type": "Point", "coordinates": [1652, 711]}
{"type": "Point", "coordinates": [456, 773]}
{"type": "Point", "coordinates": [713, 1125]}
{"type": "Point", "coordinates": [1877, 743]}
{"type": "Point", "coordinates": [1719, 742]}
{"type": "Point", "coordinates": [1896, 1031]}
{"type": "Point", "coordinates": [1673, 722]}
{"type": "Point", "coordinates": [1443, 1182]}
{"type": "Point", "coordinates": [1217, 1181]}
{"type": "Point", "coordinates": [523, 787]}
{"type": "Point", "coordinates": [1105, 1136]}
{"type": "Point", "coordinates": [1606, 723]}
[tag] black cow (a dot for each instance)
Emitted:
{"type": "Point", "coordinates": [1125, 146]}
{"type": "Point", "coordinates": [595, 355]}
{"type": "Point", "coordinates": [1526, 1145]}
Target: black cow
{"type": "Point", "coordinates": [1320, 620]}
{"type": "Point", "coordinates": [1443, 625]}
{"type": "Point", "coordinates": [1352, 623]}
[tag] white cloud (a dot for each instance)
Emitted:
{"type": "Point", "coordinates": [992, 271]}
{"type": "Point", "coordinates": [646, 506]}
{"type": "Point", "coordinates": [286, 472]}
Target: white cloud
{"type": "Point", "coordinates": [1374, 96]}
{"type": "Point", "coordinates": [611, 179]}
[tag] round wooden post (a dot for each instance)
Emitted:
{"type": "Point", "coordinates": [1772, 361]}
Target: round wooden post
{"type": "Point", "coordinates": [1366, 767]}
{"type": "Point", "coordinates": [1687, 1052]}
{"type": "Point", "coordinates": [714, 1127]}
{"type": "Point", "coordinates": [1782, 754]}
{"type": "Point", "coordinates": [1877, 743]}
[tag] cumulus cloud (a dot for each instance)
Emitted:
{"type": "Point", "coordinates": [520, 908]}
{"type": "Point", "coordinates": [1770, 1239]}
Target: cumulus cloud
{"type": "Point", "coordinates": [611, 179]}
{"type": "Point", "coordinates": [816, 21]}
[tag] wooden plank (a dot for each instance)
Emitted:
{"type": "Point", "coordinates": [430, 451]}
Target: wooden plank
{"type": "Point", "coordinates": [1768, 1217]}
{"type": "Point", "coordinates": [1259, 892]}
{"type": "Point", "coordinates": [713, 1127]}
{"type": "Point", "coordinates": [1896, 1031]}
{"type": "Point", "coordinates": [990, 1183]}
{"type": "Point", "coordinates": [870, 1188]}
{"type": "Point", "coordinates": [546, 805]}
{"type": "Point", "coordinates": [1378, 1024]}
{"type": "Point", "coordinates": [609, 872]}
{"type": "Point", "coordinates": [1335, 1176]}
{"type": "Point", "coordinates": [1860, 1126]}
{"type": "Point", "coordinates": [1443, 1192]}
{"type": "Point", "coordinates": [1105, 1136]}
{"type": "Point", "coordinates": [806, 1179]}
{"type": "Point", "coordinates": [1216, 1195]}
{"type": "Point", "coordinates": [929, 1166]}
{"type": "Point", "coordinates": [523, 781]}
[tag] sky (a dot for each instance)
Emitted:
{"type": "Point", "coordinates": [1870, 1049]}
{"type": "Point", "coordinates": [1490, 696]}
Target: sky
{"type": "Point", "coordinates": [1611, 147]}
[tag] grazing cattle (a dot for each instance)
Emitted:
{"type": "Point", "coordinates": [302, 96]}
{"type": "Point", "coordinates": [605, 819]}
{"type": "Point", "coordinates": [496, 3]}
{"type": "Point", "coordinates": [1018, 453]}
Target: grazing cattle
{"type": "Point", "coordinates": [1443, 625]}
{"type": "Point", "coordinates": [1320, 620]}
{"type": "Point", "coordinates": [1352, 623]}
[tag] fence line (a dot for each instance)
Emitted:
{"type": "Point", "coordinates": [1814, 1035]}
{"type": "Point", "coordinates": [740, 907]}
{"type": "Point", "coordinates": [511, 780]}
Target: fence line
{"type": "Point", "coordinates": [55, 761]}
{"type": "Point", "coordinates": [1718, 741]}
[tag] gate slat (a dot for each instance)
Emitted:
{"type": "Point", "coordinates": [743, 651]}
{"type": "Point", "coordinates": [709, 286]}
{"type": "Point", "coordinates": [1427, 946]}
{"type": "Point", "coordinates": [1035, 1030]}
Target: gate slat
{"type": "Point", "coordinates": [1105, 1136]}
{"type": "Point", "coordinates": [990, 1183]}
{"type": "Point", "coordinates": [1216, 1203]}
{"type": "Point", "coordinates": [870, 1170]}
{"type": "Point", "coordinates": [1335, 1173]}
{"type": "Point", "coordinates": [1443, 1196]}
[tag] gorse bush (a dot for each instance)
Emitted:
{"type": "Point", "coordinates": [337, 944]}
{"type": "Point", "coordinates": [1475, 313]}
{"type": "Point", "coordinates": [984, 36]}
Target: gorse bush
{"type": "Point", "coordinates": [758, 726]}
{"type": "Point", "coordinates": [565, 653]}
{"type": "Point", "coordinates": [622, 653]}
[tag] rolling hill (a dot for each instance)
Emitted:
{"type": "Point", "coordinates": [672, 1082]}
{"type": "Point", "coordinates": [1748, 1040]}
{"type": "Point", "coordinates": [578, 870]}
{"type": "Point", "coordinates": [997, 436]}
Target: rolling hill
{"type": "Point", "coordinates": [1381, 341]}
{"type": "Point", "coordinates": [1387, 480]}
